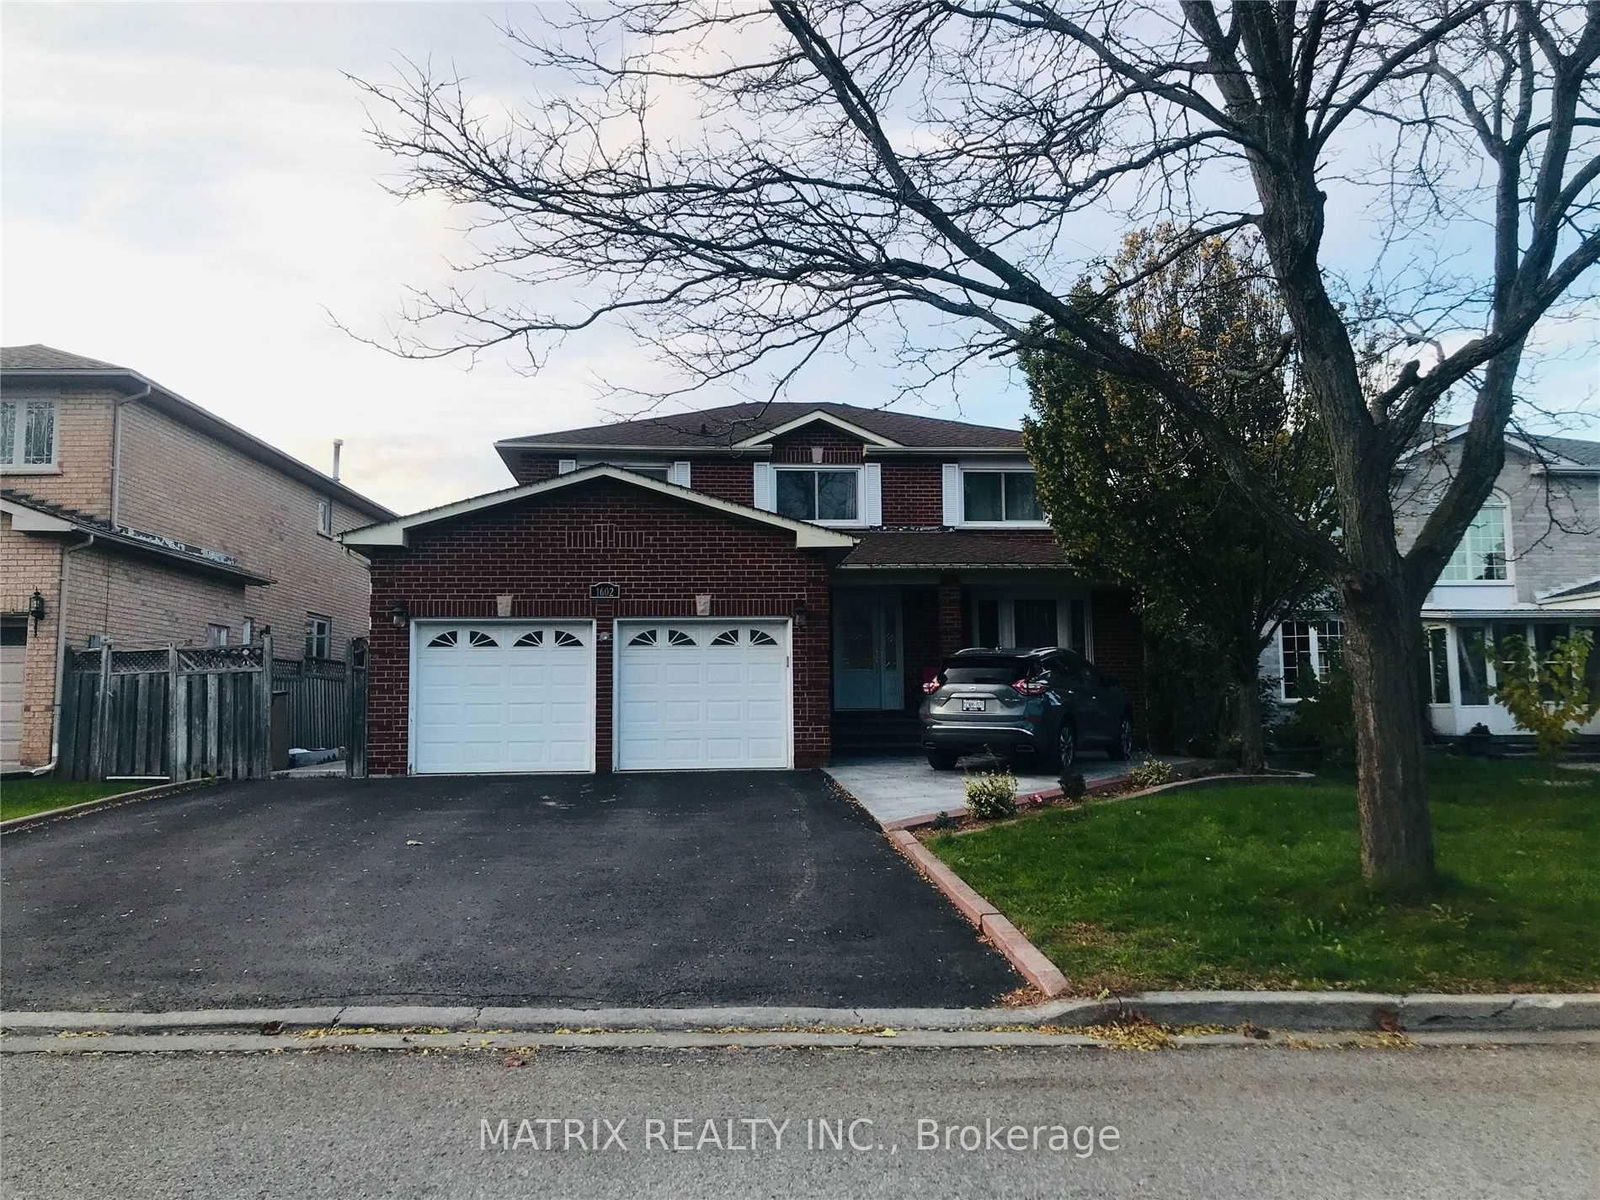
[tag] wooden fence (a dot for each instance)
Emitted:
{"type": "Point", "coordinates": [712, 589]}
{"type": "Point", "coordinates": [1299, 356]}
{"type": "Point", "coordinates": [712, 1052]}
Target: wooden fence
{"type": "Point", "coordinates": [176, 712]}
{"type": "Point", "coordinates": [318, 698]}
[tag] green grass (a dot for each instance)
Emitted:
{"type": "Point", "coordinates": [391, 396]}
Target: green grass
{"type": "Point", "coordinates": [1260, 886]}
{"type": "Point", "coordinates": [24, 797]}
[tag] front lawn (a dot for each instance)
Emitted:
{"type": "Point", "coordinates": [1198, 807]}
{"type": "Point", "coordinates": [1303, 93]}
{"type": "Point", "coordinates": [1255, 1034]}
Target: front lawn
{"type": "Point", "coordinates": [24, 797]}
{"type": "Point", "coordinates": [1259, 886]}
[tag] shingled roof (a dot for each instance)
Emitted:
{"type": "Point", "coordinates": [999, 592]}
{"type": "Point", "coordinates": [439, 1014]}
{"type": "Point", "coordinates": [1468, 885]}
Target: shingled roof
{"type": "Point", "coordinates": [36, 357]}
{"type": "Point", "coordinates": [711, 428]}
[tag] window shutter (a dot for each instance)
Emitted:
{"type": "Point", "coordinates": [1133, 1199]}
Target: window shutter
{"type": "Point", "coordinates": [872, 493]}
{"type": "Point", "coordinates": [952, 493]}
{"type": "Point", "coordinates": [679, 474]}
{"type": "Point", "coordinates": [566, 466]}
{"type": "Point", "coordinates": [763, 487]}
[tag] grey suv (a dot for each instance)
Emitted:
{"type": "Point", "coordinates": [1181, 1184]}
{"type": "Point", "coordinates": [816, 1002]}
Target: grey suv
{"type": "Point", "coordinates": [1044, 703]}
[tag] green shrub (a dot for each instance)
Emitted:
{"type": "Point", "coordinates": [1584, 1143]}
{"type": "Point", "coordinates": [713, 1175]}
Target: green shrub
{"type": "Point", "coordinates": [990, 797]}
{"type": "Point", "coordinates": [1324, 719]}
{"type": "Point", "coordinates": [1152, 772]}
{"type": "Point", "coordinates": [1548, 697]}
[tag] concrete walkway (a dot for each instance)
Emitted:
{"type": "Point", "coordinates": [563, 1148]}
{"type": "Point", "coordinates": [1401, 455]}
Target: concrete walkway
{"type": "Point", "coordinates": [895, 787]}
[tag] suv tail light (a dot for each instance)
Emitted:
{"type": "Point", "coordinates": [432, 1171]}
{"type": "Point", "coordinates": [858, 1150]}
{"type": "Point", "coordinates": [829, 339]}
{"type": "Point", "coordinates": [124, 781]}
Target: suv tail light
{"type": "Point", "coordinates": [930, 687]}
{"type": "Point", "coordinates": [1030, 687]}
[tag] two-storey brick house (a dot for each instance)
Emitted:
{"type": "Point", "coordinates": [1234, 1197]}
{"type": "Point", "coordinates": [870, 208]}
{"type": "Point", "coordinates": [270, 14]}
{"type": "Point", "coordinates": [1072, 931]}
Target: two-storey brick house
{"type": "Point", "coordinates": [734, 587]}
{"type": "Point", "coordinates": [1528, 565]}
{"type": "Point", "coordinates": [130, 513]}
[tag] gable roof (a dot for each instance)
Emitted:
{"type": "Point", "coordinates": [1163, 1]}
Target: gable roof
{"type": "Point", "coordinates": [20, 363]}
{"type": "Point", "coordinates": [744, 424]}
{"type": "Point", "coordinates": [394, 533]}
{"type": "Point", "coordinates": [1555, 452]}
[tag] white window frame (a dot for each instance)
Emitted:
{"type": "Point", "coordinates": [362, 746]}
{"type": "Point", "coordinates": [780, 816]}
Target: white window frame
{"type": "Point", "coordinates": [858, 521]}
{"type": "Point", "coordinates": [327, 636]}
{"type": "Point", "coordinates": [1495, 500]}
{"type": "Point", "coordinates": [1314, 648]}
{"type": "Point", "coordinates": [218, 634]}
{"type": "Point", "coordinates": [1006, 615]}
{"type": "Point", "coordinates": [15, 465]}
{"type": "Point", "coordinates": [995, 468]}
{"type": "Point", "coordinates": [325, 517]}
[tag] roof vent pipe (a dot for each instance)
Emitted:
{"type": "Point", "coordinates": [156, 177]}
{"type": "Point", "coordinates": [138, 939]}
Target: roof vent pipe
{"type": "Point", "coordinates": [338, 445]}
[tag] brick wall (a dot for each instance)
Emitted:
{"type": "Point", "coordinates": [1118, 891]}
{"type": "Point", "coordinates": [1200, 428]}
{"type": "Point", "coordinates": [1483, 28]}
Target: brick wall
{"type": "Point", "coordinates": [546, 551]}
{"type": "Point", "coordinates": [1119, 644]}
{"type": "Point", "coordinates": [82, 479]}
{"type": "Point", "coordinates": [913, 493]}
{"type": "Point", "coordinates": [179, 482]}
{"type": "Point", "coordinates": [140, 601]}
{"type": "Point", "coordinates": [836, 445]}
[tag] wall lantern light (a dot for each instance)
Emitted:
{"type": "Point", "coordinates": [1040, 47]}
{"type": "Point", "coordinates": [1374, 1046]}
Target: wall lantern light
{"type": "Point", "coordinates": [36, 607]}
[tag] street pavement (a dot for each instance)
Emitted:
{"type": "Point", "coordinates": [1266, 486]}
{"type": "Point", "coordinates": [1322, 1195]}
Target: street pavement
{"type": "Point", "coordinates": [1271, 1122]}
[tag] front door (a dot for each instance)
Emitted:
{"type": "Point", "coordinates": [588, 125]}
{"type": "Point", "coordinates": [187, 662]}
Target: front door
{"type": "Point", "coordinates": [867, 670]}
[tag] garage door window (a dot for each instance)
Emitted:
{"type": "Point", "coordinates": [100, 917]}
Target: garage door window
{"type": "Point", "coordinates": [476, 638]}
{"type": "Point", "coordinates": [675, 637]}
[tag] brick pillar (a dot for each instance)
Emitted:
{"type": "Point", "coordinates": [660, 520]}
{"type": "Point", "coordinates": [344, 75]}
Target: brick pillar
{"type": "Point", "coordinates": [1119, 645]}
{"type": "Point", "coordinates": [949, 615]}
{"type": "Point", "coordinates": [605, 648]}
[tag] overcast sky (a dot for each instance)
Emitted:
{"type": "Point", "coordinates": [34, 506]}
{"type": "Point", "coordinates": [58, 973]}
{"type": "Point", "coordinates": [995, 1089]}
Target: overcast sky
{"type": "Point", "coordinates": [188, 192]}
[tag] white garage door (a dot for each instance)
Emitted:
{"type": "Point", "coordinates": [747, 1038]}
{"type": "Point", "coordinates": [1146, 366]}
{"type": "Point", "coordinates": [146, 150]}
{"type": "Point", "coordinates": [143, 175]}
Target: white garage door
{"type": "Point", "coordinates": [13, 656]}
{"type": "Point", "coordinates": [693, 695]}
{"type": "Point", "coordinates": [491, 696]}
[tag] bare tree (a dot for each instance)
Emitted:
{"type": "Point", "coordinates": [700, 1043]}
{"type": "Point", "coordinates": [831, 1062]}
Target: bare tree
{"type": "Point", "coordinates": [745, 184]}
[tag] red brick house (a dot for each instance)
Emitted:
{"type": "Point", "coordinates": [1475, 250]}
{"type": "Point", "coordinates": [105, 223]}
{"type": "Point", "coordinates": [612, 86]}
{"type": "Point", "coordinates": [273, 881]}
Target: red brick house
{"type": "Point", "coordinates": [747, 586]}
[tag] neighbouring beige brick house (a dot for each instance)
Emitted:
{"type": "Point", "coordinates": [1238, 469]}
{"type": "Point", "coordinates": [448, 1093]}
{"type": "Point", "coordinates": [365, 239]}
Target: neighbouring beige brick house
{"type": "Point", "coordinates": [1528, 566]}
{"type": "Point", "coordinates": [130, 513]}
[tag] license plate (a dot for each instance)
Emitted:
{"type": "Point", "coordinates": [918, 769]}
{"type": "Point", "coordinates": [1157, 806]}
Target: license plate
{"type": "Point", "coordinates": [974, 705]}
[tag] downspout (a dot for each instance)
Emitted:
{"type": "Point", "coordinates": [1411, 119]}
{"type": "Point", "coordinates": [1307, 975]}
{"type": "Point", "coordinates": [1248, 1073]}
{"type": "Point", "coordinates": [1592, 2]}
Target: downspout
{"type": "Point", "coordinates": [116, 444]}
{"type": "Point", "coordinates": [61, 655]}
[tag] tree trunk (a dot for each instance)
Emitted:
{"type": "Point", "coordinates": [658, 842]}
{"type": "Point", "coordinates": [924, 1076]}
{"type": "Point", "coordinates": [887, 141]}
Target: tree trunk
{"type": "Point", "coordinates": [1380, 654]}
{"type": "Point", "coordinates": [1248, 720]}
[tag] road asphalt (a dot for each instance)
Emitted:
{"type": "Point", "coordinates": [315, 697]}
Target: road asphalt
{"type": "Point", "coordinates": [1456, 1123]}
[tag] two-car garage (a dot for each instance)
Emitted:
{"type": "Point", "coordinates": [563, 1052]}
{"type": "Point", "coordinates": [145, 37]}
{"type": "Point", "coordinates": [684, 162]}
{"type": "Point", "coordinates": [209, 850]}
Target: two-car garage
{"type": "Point", "coordinates": [520, 696]}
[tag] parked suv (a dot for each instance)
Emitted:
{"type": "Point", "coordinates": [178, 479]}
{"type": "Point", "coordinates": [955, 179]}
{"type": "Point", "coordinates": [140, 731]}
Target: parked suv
{"type": "Point", "coordinates": [1044, 703]}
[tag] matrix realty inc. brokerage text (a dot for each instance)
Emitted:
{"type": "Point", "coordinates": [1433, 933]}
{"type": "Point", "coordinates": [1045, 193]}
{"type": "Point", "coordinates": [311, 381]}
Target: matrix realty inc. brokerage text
{"type": "Point", "coordinates": [861, 1135]}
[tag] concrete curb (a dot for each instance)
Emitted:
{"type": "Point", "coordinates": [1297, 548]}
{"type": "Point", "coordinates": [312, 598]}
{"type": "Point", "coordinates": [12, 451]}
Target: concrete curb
{"type": "Point", "coordinates": [16, 824]}
{"type": "Point", "coordinates": [1099, 790]}
{"type": "Point", "coordinates": [517, 1043]}
{"type": "Point", "coordinates": [991, 922]}
{"type": "Point", "coordinates": [1445, 1016]}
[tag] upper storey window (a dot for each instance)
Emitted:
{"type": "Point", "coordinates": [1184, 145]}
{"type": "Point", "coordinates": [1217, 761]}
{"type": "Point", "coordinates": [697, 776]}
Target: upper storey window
{"type": "Point", "coordinates": [999, 498]}
{"type": "Point", "coordinates": [1481, 556]}
{"type": "Point", "coordinates": [815, 494]}
{"type": "Point", "coordinates": [27, 434]}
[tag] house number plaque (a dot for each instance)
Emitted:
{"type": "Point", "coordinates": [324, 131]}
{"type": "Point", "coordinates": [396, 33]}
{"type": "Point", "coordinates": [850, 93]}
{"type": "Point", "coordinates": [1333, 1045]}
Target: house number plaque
{"type": "Point", "coordinates": [604, 591]}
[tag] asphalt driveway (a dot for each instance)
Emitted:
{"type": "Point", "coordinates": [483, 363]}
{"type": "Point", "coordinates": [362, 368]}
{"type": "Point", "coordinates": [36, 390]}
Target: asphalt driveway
{"type": "Point", "coordinates": [663, 889]}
